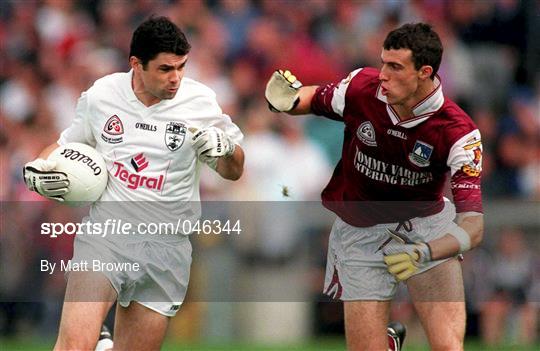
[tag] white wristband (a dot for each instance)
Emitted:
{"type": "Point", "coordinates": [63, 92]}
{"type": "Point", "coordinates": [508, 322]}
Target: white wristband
{"type": "Point", "coordinates": [463, 238]}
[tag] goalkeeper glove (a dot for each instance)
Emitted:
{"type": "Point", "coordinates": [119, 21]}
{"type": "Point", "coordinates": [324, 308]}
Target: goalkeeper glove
{"type": "Point", "coordinates": [210, 144]}
{"type": "Point", "coordinates": [40, 176]}
{"type": "Point", "coordinates": [282, 91]}
{"type": "Point", "coordinates": [406, 257]}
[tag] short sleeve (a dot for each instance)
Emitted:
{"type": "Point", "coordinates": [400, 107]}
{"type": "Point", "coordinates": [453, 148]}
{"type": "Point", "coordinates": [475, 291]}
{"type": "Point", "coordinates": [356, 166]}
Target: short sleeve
{"type": "Point", "coordinates": [329, 99]}
{"type": "Point", "coordinates": [224, 122]}
{"type": "Point", "coordinates": [465, 162]}
{"type": "Point", "coordinates": [79, 130]}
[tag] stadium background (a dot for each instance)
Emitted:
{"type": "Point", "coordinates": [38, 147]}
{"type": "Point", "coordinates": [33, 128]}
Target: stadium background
{"type": "Point", "coordinates": [50, 51]}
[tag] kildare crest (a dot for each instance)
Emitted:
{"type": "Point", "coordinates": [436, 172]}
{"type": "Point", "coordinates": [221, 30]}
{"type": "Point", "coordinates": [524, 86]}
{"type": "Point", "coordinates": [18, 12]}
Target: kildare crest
{"type": "Point", "coordinates": [175, 133]}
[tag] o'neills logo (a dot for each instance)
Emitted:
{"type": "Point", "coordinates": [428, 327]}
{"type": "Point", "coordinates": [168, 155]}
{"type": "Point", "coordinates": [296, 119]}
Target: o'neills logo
{"type": "Point", "coordinates": [80, 157]}
{"type": "Point", "coordinates": [134, 180]}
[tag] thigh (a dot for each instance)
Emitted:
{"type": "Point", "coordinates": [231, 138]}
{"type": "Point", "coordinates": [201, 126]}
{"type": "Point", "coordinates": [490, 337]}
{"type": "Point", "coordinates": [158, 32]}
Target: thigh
{"type": "Point", "coordinates": [89, 296]}
{"type": "Point", "coordinates": [355, 270]}
{"type": "Point", "coordinates": [438, 298]}
{"type": "Point", "coordinates": [139, 328]}
{"type": "Point", "coordinates": [365, 325]}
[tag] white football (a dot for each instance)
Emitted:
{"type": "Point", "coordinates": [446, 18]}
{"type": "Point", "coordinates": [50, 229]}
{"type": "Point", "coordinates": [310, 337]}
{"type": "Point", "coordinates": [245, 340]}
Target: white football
{"type": "Point", "coordinates": [85, 169]}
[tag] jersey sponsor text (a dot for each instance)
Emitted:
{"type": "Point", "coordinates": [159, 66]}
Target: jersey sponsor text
{"type": "Point", "coordinates": [389, 173]}
{"type": "Point", "coordinates": [134, 180]}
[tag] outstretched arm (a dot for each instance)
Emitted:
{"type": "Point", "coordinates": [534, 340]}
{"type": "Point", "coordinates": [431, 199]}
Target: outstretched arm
{"type": "Point", "coordinates": [305, 94]}
{"type": "Point", "coordinates": [285, 93]}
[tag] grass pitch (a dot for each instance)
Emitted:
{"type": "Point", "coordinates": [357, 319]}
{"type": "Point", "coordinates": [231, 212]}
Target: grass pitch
{"type": "Point", "coordinates": [315, 345]}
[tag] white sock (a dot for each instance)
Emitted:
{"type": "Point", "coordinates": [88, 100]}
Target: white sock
{"type": "Point", "coordinates": [104, 345]}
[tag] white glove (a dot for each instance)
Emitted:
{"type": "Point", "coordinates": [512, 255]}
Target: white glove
{"type": "Point", "coordinates": [282, 91]}
{"type": "Point", "coordinates": [405, 257]}
{"type": "Point", "coordinates": [40, 176]}
{"type": "Point", "coordinates": [210, 144]}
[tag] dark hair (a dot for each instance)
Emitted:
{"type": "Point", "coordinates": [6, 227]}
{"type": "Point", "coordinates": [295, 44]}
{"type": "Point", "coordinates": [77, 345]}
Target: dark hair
{"type": "Point", "coordinates": [422, 40]}
{"type": "Point", "coordinates": [157, 35]}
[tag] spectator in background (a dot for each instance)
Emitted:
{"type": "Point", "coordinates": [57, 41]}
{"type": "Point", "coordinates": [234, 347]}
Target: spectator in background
{"type": "Point", "coordinates": [50, 49]}
{"type": "Point", "coordinates": [517, 146]}
{"type": "Point", "coordinates": [51, 37]}
{"type": "Point", "coordinates": [508, 306]}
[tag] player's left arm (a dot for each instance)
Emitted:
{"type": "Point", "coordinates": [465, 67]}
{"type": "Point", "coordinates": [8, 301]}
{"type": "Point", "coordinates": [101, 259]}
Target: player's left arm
{"type": "Point", "coordinates": [231, 167]}
{"type": "Point", "coordinates": [219, 150]}
{"type": "Point", "coordinates": [218, 144]}
{"type": "Point", "coordinates": [465, 162]}
{"type": "Point", "coordinates": [466, 235]}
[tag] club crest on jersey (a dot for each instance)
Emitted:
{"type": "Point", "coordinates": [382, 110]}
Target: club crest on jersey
{"type": "Point", "coordinates": [421, 153]}
{"type": "Point", "coordinates": [175, 133]}
{"type": "Point", "coordinates": [113, 130]}
{"type": "Point", "coordinates": [474, 167]}
{"type": "Point", "coordinates": [366, 133]}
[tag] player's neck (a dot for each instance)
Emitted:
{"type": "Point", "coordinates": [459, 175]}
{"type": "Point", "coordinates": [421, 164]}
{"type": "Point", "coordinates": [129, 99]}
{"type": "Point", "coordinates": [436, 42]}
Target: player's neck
{"type": "Point", "coordinates": [405, 110]}
{"type": "Point", "coordinates": [141, 93]}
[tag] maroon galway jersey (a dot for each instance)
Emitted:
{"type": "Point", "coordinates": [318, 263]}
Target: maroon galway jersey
{"type": "Point", "coordinates": [392, 170]}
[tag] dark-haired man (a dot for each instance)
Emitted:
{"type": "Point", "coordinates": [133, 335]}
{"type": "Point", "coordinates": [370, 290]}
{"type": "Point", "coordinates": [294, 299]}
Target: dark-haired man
{"type": "Point", "coordinates": [154, 128]}
{"type": "Point", "coordinates": [402, 136]}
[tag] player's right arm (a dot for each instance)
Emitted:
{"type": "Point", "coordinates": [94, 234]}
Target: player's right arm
{"type": "Point", "coordinates": [39, 176]}
{"type": "Point", "coordinates": [285, 93]}
{"type": "Point", "coordinates": [48, 150]}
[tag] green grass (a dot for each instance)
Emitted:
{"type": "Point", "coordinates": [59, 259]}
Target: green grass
{"type": "Point", "coordinates": [315, 345]}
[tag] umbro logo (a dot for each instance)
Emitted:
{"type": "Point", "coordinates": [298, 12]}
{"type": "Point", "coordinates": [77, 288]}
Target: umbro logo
{"type": "Point", "coordinates": [47, 177]}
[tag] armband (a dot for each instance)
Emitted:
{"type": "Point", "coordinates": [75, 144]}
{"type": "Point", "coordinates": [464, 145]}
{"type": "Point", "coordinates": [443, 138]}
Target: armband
{"type": "Point", "coordinates": [463, 238]}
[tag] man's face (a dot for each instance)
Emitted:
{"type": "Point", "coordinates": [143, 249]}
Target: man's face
{"type": "Point", "coordinates": [398, 76]}
{"type": "Point", "coordinates": [162, 75]}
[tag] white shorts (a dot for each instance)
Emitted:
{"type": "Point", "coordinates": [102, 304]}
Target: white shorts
{"type": "Point", "coordinates": [354, 268]}
{"type": "Point", "coordinates": [153, 273]}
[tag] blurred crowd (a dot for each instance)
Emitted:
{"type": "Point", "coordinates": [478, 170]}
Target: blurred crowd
{"type": "Point", "coordinates": [52, 50]}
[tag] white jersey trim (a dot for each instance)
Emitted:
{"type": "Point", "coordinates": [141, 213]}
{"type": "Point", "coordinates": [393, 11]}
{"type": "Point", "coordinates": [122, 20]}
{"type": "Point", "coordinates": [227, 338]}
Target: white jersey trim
{"type": "Point", "coordinates": [462, 152]}
{"type": "Point", "coordinates": [338, 100]}
{"type": "Point", "coordinates": [424, 109]}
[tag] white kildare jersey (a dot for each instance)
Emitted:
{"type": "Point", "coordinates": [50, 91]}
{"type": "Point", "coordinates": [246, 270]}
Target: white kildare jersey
{"type": "Point", "coordinates": [147, 149]}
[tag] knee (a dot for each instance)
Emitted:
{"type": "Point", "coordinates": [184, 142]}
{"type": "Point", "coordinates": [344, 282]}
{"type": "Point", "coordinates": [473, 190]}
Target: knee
{"type": "Point", "coordinates": [369, 345]}
{"type": "Point", "coordinates": [363, 342]}
{"type": "Point", "coordinates": [74, 341]}
{"type": "Point", "coordinates": [451, 343]}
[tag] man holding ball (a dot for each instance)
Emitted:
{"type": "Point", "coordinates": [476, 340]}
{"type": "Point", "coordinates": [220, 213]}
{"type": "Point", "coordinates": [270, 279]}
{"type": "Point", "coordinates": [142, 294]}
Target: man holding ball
{"type": "Point", "coordinates": [153, 128]}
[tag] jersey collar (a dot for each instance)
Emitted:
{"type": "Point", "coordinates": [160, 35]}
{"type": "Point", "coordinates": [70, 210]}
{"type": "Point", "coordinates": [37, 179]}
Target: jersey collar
{"type": "Point", "coordinates": [424, 109]}
{"type": "Point", "coordinates": [129, 87]}
{"type": "Point", "coordinates": [133, 98]}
